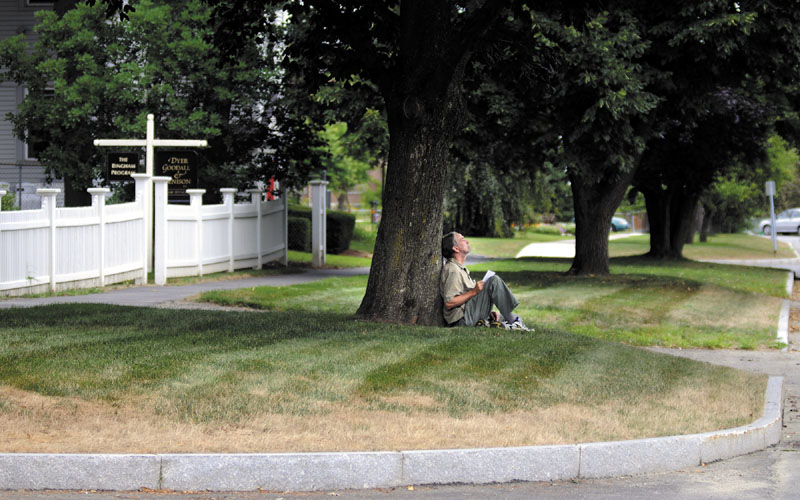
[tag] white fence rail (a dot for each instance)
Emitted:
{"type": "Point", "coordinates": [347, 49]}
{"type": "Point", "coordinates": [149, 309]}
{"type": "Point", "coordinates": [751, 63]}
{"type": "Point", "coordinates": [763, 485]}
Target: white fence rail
{"type": "Point", "coordinates": [52, 249]}
{"type": "Point", "coordinates": [199, 239]}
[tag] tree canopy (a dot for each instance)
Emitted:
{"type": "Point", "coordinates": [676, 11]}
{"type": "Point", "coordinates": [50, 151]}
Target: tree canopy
{"type": "Point", "coordinates": [606, 90]}
{"type": "Point", "coordinates": [596, 90]}
{"type": "Point", "coordinates": [89, 77]}
{"type": "Point", "coordinates": [412, 56]}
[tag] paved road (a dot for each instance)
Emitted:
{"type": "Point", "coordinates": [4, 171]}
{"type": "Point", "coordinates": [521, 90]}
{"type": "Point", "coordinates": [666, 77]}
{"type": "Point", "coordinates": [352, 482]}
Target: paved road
{"type": "Point", "coordinates": [769, 474]}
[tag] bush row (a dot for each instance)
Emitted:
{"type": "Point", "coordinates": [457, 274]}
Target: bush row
{"type": "Point", "coordinates": [300, 234]}
{"type": "Point", "coordinates": [339, 229]}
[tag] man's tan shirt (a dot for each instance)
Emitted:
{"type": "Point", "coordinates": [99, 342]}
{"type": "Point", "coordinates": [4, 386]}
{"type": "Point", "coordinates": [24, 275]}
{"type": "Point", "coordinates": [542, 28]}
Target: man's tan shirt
{"type": "Point", "coordinates": [455, 280]}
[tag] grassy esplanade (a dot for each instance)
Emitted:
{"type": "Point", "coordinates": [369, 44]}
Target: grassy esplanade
{"type": "Point", "coordinates": [299, 374]}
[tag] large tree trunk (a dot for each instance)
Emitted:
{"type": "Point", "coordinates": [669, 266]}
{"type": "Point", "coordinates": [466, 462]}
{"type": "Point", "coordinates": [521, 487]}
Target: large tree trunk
{"type": "Point", "coordinates": [657, 202]}
{"type": "Point", "coordinates": [683, 222]}
{"type": "Point", "coordinates": [671, 213]}
{"type": "Point", "coordinates": [425, 108]}
{"type": "Point", "coordinates": [595, 204]}
{"type": "Point", "coordinates": [705, 227]}
{"type": "Point", "coordinates": [406, 262]}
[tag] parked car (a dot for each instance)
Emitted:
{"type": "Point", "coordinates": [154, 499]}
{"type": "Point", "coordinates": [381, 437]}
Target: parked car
{"type": "Point", "coordinates": [619, 224]}
{"type": "Point", "coordinates": [787, 221]}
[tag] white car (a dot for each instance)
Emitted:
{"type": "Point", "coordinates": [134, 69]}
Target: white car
{"type": "Point", "coordinates": [787, 221]}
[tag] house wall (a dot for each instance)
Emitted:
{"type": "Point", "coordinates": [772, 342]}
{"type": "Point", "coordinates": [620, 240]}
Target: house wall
{"type": "Point", "coordinates": [17, 16]}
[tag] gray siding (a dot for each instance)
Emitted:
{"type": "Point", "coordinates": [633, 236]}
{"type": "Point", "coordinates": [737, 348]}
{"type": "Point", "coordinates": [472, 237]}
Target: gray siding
{"type": "Point", "coordinates": [8, 104]}
{"type": "Point", "coordinates": [16, 16]}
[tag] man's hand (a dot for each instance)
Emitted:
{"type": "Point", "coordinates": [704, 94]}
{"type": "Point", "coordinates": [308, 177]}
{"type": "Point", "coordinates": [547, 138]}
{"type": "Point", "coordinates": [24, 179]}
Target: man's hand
{"type": "Point", "coordinates": [464, 297]}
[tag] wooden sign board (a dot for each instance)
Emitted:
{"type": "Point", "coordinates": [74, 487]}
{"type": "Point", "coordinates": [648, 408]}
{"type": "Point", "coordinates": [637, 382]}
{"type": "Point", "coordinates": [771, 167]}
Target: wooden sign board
{"type": "Point", "coordinates": [182, 167]}
{"type": "Point", "coordinates": [120, 166]}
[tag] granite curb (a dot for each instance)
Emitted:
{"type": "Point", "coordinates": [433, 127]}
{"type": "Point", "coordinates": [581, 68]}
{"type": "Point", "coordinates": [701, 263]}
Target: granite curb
{"type": "Point", "coordinates": [360, 470]}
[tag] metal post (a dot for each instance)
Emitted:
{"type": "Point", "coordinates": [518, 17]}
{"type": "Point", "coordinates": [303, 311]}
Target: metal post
{"type": "Point", "coordinates": [770, 188]}
{"type": "Point", "coordinates": [772, 218]}
{"type": "Point", "coordinates": [19, 188]}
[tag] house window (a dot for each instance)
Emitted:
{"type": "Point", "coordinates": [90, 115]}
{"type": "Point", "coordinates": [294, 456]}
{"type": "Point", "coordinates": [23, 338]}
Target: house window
{"type": "Point", "coordinates": [40, 2]}
{"type": "Point", "coordinates": [34, 146]}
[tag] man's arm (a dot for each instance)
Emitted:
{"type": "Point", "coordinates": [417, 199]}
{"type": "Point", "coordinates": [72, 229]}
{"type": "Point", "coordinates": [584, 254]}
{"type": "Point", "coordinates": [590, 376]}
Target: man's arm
{"type": "Point", "coordinates": [464, 297]}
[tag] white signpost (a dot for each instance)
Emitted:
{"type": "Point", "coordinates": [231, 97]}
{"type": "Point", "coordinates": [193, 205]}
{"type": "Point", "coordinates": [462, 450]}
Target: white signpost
{"type": "Point", "coordinates": [150, 143]}
{"type": "Point", "coordinates": [319, 244]}
{"type": "Point", "coordinates": [770, 187]}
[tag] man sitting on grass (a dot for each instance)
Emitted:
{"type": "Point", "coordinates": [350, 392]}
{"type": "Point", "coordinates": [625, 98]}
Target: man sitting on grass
{"type": "Point", "coordinates": [467, 302]}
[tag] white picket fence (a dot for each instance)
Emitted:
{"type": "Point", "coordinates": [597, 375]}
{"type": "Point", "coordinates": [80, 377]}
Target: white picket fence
{"type": "Point", "coordinates": [54, 249]}
{"type": "Point", "coordinates": [199, 239]}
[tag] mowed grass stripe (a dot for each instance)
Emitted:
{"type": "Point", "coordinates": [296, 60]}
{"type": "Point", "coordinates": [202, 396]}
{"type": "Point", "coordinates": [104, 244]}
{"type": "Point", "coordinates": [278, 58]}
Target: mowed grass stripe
{"type": "Point", "coordinates": [674, 304]}
{"type": "Point", "coordinates": [206, 357]}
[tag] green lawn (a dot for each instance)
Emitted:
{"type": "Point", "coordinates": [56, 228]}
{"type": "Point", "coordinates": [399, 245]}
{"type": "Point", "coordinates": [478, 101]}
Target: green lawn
{"type": "Point", "coordinates": [302, 374]}
{"type": "Point", "coordinates": [738, 246]}
{"type": "Point", "coordinates": [304, 259]}
{"type": "Point", "coordinates": [230, 370]}
{"type": "Point", "coordinates": [720, 246]}
{"type": "Point", "coordinates": [675, 304]}
{"type": "Point", "coordinates": [335, 295]}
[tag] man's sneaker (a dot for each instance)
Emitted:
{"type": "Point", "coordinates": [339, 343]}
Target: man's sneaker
{"type": "Point", "coordinates": [497, 324]}
{"type": "Point", "coordinates": [482, 322]}
{"type": "Point", "coordinates": [519, 325]}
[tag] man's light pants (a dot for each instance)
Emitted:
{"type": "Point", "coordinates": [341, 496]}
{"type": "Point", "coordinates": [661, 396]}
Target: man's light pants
{"type": "Point", "coordinates": [495, 292]}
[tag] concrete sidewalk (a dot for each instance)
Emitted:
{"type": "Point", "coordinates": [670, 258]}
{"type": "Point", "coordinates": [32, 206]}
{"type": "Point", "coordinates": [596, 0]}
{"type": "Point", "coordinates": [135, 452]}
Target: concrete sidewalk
{"type": "Point", "coordinates": [563, 248]}
{"type": "Point", "coordinates": [173, 296]}
{"type": "Point", "coordinates": [176, 295]}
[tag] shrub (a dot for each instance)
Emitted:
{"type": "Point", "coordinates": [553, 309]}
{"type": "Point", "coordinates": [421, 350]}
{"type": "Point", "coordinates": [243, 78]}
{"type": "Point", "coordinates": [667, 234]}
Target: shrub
{"type": "Point", "coordinates": [339, 227]}
{"type": "Point", "coordinates": [299, 234]}
{"type": "Point", "coordinates": [8, 201]}
{"type": "Point", "coordinates": [546, 229]}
